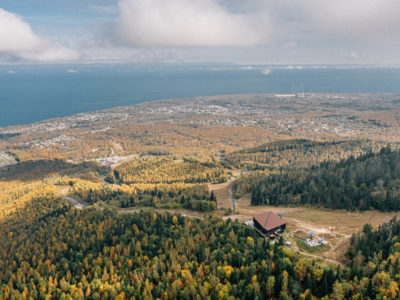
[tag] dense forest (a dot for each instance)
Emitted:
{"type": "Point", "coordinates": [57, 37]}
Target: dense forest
{"type": "Point", "coordinates": [369, 181]}
{"type": "Point", "coordinates": [176, 195]}
{"type": "Point", "coordinates": [159, 182]}
{"type": "Point", "coordinates": [49, 250]}
{"type": "Point", "coordinates": [99, 254]}
{"type": "Point", "coordinates": [375, 255]}
{"type": "Point", "coordinates": [40, 169]}
{"type": "Point", "coordinates": [22, 203]}
{"type": "Point", "coordinates": [299, 153]}
{"type": "Point", "coordinates": [290, 155]}
{"type": "Point", "coordinates": [167, 170]}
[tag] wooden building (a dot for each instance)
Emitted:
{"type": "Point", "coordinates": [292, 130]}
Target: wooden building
{"type": "Point", "coordinates": [269, 223]}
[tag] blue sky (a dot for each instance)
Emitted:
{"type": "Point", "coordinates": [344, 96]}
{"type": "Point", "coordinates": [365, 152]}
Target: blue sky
{"type": "Point", "coordinates": [76, 9]}
{"type": "Point", "coordinates": [63, 18]}
{"type": "Point", "coordinates": [245, 31]}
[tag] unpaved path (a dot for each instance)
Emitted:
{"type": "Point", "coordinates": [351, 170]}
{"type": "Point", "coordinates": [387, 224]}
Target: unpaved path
{"type": "Point", "coordinates": [245, 211]}
{"type": "Point", "coordinates": [328, 260]}
{"type": "Point", "coordinates": [303, 218]}
{"type": "Point", "coordinates": [74, 202]}
{"type": "Point", "coordinates": [224, 191]}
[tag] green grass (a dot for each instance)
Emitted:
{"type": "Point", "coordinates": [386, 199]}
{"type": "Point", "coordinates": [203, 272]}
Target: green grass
{"type": "Point", "coordinates": [301, 243]}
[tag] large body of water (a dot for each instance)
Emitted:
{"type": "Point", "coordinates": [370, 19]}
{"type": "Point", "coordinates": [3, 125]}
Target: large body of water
{"type": "Point", "coordinates": [30, 93]}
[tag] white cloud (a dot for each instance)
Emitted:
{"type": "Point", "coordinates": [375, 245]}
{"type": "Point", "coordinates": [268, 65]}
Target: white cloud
{"type": "Point", "coordinates": [341, 19]}
{"type": "Point", "coordinates": [284, 31]}
{"type": "Point", "coordinates": [17, 39]}
{"type": "Point", "coordinates": [274, 31]}
{"type": "Point", "coordinates": [360, 19]}
{"type": "Point", "coordinates": [182, 23]}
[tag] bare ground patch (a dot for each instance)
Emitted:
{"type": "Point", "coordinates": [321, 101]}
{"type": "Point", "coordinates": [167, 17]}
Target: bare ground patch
{"type": "Point", "coordinates": [320, 221]}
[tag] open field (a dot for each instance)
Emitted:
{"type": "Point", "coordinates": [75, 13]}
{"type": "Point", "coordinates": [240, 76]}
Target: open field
{"type": "Point", "coordinates": [223, 191]}
{"type": "Point", "coordinates": [308, 219]}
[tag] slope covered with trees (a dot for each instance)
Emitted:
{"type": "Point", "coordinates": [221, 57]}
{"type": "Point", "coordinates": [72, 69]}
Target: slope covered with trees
{"type": "Point", "coordinates": [39, 169]}
{"type": "Point", "coordinates": [22, 203]}
{"type": "Point", "coordinates": [370, 181]}
{"type": "Point", "coordinates": [300, 153]}
{"type": "Point", "coordinates": [290, 155]}
{"type": "Point", "coordinates": [175, 195]}
{"type": "Point", "coordinates": [98, 254]}
{"type": "Point", "coordinates": [167, 170]}
{"type": "Point", "coordinates": [375, 259]}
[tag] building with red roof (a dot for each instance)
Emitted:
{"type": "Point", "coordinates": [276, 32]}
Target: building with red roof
{"type": "Point", "coordinates": [269, 223]}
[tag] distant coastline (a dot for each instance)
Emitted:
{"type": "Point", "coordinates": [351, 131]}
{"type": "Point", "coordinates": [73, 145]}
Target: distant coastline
{"type": "Point", "coordinates": [41, 92]}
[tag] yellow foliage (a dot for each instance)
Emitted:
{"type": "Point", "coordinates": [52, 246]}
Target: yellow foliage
{"type": "Point", "coordinates": [16, 196]}
{"type": "Point", "coordinates": [254, 279]}
{"type": "Point", "coordinates": [167, 170]}
{"type": "Point", "coordinates": [300, 269]}
{"type": "Point", "coordinates": [250, 241]}
{"type": "Point", "coordinates": [226, 269]}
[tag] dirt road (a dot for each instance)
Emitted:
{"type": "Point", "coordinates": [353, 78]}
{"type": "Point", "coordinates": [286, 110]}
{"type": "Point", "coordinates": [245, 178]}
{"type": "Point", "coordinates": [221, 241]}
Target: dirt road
{"type": "Point", "coordinates": [75, 203]}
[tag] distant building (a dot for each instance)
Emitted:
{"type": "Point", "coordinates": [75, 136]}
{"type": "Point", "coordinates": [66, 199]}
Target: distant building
{"type": "Point", "coordinates": [269, 223]}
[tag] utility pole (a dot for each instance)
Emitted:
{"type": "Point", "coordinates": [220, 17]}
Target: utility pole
{"type": "Point", "coordinates": [234, 206]}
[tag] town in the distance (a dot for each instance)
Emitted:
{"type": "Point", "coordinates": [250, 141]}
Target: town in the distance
{"type": "Point", "coordinates": [237, 196]}
{"type": "Point", "coordinates": [199, 150]}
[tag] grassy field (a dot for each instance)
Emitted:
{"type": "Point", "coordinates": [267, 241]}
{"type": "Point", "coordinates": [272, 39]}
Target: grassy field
{"type": "Point", "coordinates": [321, 221]}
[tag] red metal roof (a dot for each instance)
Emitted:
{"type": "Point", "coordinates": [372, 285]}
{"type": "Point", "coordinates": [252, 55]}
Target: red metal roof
{"type": "Point", "coordinates": [269, 220]}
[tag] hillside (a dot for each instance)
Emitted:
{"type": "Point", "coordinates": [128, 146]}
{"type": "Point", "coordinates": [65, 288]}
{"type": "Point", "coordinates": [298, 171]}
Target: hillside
{"type": "Point", "coordinates": [90, 253]}
{"type": "Point", "coordinates": [136, 202]}
{"type": "Point", "coordinates": [369, 181]}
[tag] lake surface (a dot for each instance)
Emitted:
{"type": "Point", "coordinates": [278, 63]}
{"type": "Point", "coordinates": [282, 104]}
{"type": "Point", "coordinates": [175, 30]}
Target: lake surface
{"type": "Point", "coordinates": [30, 93]}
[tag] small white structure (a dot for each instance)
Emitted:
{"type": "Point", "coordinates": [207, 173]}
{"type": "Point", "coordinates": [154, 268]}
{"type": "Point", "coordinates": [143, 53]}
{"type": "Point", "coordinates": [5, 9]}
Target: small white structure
{"type": "Point", "coordinates": [316, 241]}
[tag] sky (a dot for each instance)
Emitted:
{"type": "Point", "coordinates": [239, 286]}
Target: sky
{"type": "Point", "coordinates": [231, 31]}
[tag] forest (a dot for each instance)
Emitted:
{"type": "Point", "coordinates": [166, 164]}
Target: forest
{"type": "Point", "coordinates": [63, 253]}
{"type": "Point", "coordinates": [34, 170]}
{"type": "Point", "coordinates": [371, 181]}
{"type": "Point", "coordinates": [160, 182]}
{"type": "Point", "coordinates": [290, 155]}
{"type": "Point", "coordinates": [177, 195]}
{"type": "Point", "coordinates": [24, 202]}
{"type": "Point", "coordinates": [300, 153]}
{"type": "Point", "coordinates": [167, 170]}
{"type": "Point", "coordinates": [49, 250]}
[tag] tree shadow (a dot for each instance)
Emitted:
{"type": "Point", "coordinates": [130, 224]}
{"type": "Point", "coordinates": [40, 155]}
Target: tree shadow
{"type": "Point", "coordinates": [41, 169]}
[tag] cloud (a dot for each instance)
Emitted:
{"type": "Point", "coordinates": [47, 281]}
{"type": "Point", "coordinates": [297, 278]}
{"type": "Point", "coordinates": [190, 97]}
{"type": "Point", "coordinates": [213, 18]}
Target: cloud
{"type": "Point", "coordinates": [341, 19]}
{"type": "Point", "coordinates": [183, 23]}
{"type": "Point", "coordinates": [360, 19]}
{"type": "Point", "coordinates": [251, 31]}
{"type": "Point", "coordinates": [284, 31]}
{"type": "Point", "coordinates": [18, 40]}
